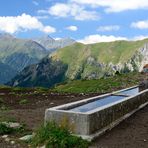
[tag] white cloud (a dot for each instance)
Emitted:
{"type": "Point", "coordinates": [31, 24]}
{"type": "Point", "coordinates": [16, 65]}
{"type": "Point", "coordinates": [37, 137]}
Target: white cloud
{"type": "Point", "coordinates": [108, 28]}
{"type": "Point", "coordinates": [48, 29]}
{"type": "Point", "coordinates": [72, 10]}
{"type": "Point", "coordinates": [115, 5]}
{"type": "Point", "coordinates": [35, 3]}
{"type": "Point", "coordinates": [140, 24]}
{"type": "Point", "coordinates": [72, 28]}
{"type": "Point", "coordinates": [100, 38]}
{"type": "Point", "coordinates": [140, 37]}
{"type": "Point", "coordinates": [24, 22]}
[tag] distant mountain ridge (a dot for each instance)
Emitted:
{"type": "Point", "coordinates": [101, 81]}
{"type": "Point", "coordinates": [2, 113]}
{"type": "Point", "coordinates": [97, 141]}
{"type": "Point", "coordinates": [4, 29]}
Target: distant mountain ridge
{"type": "Point", "coordinates": [92, 61]}
{"type": "Point", "coordinates": [52, 44]}
{"type": "Point", "coordinates": [18, 53]}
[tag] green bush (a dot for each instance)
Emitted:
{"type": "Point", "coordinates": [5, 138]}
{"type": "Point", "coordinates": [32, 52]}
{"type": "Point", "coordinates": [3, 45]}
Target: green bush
{"type": "Point", "coordinates": [54, 136]}
{"type": "Point", "coordinates": [5, 130]}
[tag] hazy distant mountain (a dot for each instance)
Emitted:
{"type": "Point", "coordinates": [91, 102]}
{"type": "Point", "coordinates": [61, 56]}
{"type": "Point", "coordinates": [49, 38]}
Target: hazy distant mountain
{"type": "Point", "coordinates": [19, 53]}
{"type": "Point", "coordinates": [86, 62]}
{"type": "Point", "coordinates": [52, 44]}
{"type": "Point", "coordinates": [6, 73]}
{"type": "Point", "coordinates": [10, 45]}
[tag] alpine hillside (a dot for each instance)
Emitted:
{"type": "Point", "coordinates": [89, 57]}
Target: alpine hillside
{"type": "Point", "coordinates": [91, 61]}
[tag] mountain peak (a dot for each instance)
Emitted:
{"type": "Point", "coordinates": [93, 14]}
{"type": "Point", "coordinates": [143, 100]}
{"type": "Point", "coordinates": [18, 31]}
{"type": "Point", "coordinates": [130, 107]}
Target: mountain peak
{"type": "Point", "coordinates": [46, 37]}
{"type": "Point", "coordinates": [6, 35]}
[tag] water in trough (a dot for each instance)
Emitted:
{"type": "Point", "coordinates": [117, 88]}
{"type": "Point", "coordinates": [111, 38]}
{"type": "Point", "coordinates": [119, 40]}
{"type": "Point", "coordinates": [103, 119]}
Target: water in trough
{"type": "Point", "coordinates": [105, 100]}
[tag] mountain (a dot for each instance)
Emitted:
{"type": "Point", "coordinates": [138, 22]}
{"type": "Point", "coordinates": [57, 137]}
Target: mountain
{"type": "Point", "coordinates": [52, 44]}
{"type": "Point", "coordinates": [6, 73]}
{"type": "Point", "coordinates": [92, 61]}
{"type": "Point", "coordinates": [46, 73]}
{"type": "Point", "coordinates": [19, 53]}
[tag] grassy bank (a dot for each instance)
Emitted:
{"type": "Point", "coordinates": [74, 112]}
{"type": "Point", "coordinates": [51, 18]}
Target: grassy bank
{"type": "Point", "coordinates": [100, 85]}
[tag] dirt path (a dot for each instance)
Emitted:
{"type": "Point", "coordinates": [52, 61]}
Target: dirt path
{"type": "Point", "coordinates": [131, 133]}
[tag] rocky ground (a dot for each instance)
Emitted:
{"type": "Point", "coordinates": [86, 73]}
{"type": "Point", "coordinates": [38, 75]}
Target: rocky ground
{"type": "Point", "coordinates": [28, 107]}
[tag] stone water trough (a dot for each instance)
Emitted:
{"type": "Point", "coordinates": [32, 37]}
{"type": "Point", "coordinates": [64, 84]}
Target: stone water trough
{"type": "Point", "coordinates": [91, 117]}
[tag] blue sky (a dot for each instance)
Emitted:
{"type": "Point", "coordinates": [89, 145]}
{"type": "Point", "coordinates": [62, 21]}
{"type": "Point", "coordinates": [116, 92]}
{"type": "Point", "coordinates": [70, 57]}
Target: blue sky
{"type": "Point", "coordinates": [88, 21]}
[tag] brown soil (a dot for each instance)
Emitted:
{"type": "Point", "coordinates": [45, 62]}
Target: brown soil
{"type": "Point", "coordinates": [132, 133]}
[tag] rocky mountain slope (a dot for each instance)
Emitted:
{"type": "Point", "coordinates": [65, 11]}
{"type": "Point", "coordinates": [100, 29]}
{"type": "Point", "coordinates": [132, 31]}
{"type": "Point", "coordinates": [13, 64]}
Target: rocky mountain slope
{"type": "Point", "coordinates": [52, 44]}
{"type": "Point", "coordinates": [46, 73]}
{"type": "Point", "coordinates": [91, 61]}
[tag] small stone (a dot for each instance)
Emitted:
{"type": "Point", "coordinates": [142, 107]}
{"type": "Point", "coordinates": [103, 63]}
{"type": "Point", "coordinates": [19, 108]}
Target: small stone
{"type": "Point", "coordinates": [4, 136]}
{"type": "Point", "coordinates": [12, 142]}
{"type": "Point", "coordinates": [51, 103]}
{"type": "Point", "coordinates": [42, 146]}
{"type": "Point", "coordinates": [7, 139]}
{"type": "Point", "coordinates": [12, 124]}
{"type": "Point", "coordinates": [144, 140]}
{"type": "Point", "coordinates": [26, 138]}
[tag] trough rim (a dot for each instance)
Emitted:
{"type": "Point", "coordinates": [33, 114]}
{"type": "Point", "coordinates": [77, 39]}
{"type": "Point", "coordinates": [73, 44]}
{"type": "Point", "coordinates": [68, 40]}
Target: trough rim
{"type": "Point", "coordinates": [61, 108]}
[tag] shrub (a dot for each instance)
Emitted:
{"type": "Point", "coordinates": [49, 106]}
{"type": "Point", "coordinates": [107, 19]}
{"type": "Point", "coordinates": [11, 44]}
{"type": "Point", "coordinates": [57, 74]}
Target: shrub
{"type": "Point", "coordinates": [5, 130]}
{"type": "Point", "coordinates": [54, 136]}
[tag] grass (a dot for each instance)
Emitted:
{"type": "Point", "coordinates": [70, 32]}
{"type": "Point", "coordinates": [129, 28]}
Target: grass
{"type": "Point", "coordinates": [23, 101]}
{"type": "Point", "coordinates": [1, 100]}
{"type": "Point", "coordinates": [3, 107]}
{"type": "Point", "coordinates": [101, 85]}
{"type": "Point", "coordinates": [53, 136]}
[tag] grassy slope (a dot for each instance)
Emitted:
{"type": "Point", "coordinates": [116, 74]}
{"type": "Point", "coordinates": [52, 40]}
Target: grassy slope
{"type": "Point", "coordinates": [77, 54]}
{"type": "Point", "coordinates": [100, 85]}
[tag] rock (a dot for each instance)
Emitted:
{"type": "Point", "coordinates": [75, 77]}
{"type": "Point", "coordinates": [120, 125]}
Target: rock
{"type": "Point", "coordinates": [42, 146]}
{"type": "Point", "coordinates": [26, 138]}
{"type": "Point", "coordinates": [51, 103]}
{"type": "Point", "coordinates": [12, 124]}
{"type": "Point", "coordinates": [144, 140]}
{"type": "Point", "coordinates": [4, 136]}
{"type": "Point", "coordinates": [12, 142]}
{"type": "Point", "coordinates": [7, 139]}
